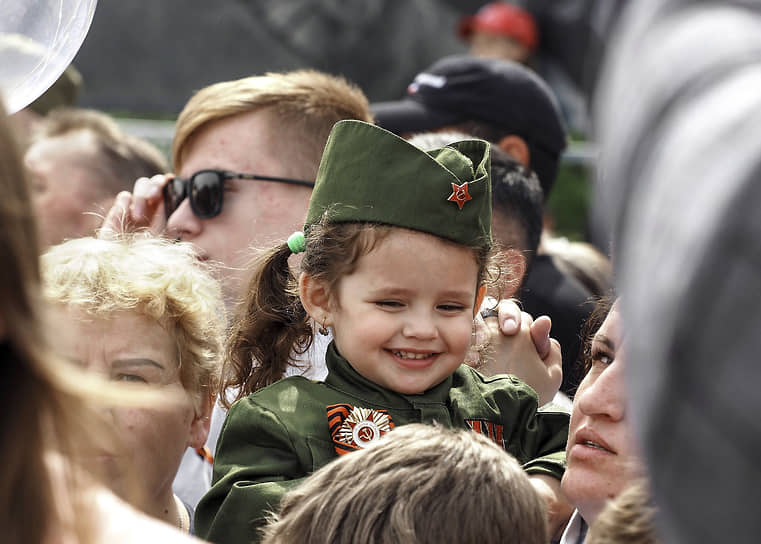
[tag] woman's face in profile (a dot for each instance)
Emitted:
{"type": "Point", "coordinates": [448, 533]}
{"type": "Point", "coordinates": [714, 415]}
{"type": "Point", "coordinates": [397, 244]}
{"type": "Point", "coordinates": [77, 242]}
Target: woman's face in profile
{"type": "Point", "coordinates": [601, 453]}
{"type": "Point", "coordinates": [127, 347]}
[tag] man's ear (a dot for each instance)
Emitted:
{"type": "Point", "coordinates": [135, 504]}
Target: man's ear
{"type": "Point", "coordinates": [199, 428]}
{"type": "Point", "coordinates": [479, 299]}
{"type": "Point", "coordinates": [315, 298]}
{"type": "Point", "coordinates": [517, 148]}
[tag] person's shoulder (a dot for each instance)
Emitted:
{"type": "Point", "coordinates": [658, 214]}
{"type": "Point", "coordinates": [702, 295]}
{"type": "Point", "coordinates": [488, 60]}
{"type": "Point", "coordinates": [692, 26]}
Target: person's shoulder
{"type": "Point", "coordinates": [120, 523]}
{"type": "Point", "coordinates": [288, 402]}
{"type": "Point", "coordinates": [469, 381]}
{"type": "Point", "coordinates": [282, 388]}
{"type": "Point", "coordinates": [549, 284]}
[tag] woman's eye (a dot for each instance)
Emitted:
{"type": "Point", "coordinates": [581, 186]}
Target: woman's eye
{"type": "Point", "coordinates": [602, 357]}
{"type": "Point", "coordinates": [130, 378]}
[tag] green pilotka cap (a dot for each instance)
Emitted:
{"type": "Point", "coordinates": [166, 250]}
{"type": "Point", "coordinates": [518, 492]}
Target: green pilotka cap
{"type": "Point", "coordinates": [370, 174]}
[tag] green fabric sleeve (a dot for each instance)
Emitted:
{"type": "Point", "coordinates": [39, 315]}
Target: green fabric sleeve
{"type": "Point", "coordinates": [536, 438]}
{"type": "Point", "coordinates": [255, 465]}
{"type": "Point", "coordinates": [552, 464]}
{"type": "Point", "coordinates": [540, 437]}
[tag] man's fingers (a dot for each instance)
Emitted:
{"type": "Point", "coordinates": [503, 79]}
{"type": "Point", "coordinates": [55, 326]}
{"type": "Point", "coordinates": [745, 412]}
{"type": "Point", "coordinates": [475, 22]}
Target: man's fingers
{"type": "Point", "coordinates": [117, 220]}
{"type": "Point", "coordinates": [146, 196]}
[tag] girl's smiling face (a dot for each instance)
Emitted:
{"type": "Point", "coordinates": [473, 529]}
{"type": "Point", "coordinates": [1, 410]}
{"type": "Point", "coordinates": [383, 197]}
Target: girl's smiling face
{"type": "Point", "coordinates": [403, 318]}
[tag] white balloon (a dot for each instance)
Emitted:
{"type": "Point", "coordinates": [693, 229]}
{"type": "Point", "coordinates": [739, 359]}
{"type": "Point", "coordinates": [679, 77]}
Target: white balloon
{"type": "Point", "coordinates": [38, 40]}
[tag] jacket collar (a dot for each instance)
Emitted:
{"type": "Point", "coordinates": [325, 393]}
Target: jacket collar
{"type": "Point", "coordinates": [343, 377]}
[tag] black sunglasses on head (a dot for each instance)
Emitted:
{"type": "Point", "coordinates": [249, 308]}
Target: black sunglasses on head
{"type": "Point", "coordinates": [206, 189]}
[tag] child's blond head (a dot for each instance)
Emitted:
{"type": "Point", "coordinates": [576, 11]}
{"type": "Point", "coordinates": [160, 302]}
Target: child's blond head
{"type": "Point", "coordinates": [418, 484]}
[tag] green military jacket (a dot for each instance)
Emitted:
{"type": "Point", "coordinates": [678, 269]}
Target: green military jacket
{"type": "Point", "coordinates": [278, 435]}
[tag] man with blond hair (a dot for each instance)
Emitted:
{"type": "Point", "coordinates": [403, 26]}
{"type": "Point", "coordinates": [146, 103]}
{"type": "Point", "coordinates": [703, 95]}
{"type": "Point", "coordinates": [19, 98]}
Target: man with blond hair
{"type": "Point", "coordinates": [247, 152]}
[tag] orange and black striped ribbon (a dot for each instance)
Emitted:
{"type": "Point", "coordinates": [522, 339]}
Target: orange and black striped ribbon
{"type": "Point", "coordinates": [337, 414]}
{"type": "Point", "coordinates": [205, 454]}
{"type": "Point", "coordinates": [489, 429]}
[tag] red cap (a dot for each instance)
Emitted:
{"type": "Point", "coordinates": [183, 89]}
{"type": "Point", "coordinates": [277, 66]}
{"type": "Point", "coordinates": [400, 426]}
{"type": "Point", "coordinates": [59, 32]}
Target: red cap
{"type": "Point", "coordinates": [502, 18]}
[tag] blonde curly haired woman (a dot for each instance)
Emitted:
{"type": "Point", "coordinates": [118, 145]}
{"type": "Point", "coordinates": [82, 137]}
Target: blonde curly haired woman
{"type": "Point", "coordinates": [142, 310]}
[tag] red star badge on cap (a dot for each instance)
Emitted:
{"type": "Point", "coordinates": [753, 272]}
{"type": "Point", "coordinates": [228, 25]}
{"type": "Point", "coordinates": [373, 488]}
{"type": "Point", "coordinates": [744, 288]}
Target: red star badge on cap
{"type": "Point", "coordinates": [460, 194]}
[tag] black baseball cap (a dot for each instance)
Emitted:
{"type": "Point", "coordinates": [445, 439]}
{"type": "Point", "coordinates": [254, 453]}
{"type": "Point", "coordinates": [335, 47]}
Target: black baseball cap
{"type": "Point", "coordinates": [503, 94]}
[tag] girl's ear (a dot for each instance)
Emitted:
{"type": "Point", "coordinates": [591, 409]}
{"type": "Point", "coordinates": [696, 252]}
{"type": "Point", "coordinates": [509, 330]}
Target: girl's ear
{"type": "Point", "coordinates": [479, 299]}
{"type": "Point", "coordinates": [315, 298]}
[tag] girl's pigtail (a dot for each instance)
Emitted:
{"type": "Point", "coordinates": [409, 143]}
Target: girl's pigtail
{"type": "Point", "coordinates": [270, 325]}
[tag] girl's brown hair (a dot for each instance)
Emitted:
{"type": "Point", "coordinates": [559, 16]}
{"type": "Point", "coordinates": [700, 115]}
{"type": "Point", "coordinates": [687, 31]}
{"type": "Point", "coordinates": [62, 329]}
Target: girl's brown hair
{"type": "Point", "coordinates": [271, 325]}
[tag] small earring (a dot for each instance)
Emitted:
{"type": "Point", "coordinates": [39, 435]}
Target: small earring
{"type": "Point", "coordinates": [323, 330]}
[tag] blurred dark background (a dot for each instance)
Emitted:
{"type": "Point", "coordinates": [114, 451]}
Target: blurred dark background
{"type": "Point", "coordinates": [144, 59]}
{"type": "Point", "coordinates": [148, 57]}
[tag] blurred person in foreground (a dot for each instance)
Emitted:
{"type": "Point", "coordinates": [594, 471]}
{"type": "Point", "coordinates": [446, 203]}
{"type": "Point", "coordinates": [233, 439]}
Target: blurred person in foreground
{"type": "Point", "coordinates": [680, 191]}
{"type": "Point", "coordinates": [78, 160]}
{"type": "Point", "coordinates": [420, 484]}
{"type": "Point", "coordinates": [48, 417]}
{"type": "Point", "coordinates": [142, 310]}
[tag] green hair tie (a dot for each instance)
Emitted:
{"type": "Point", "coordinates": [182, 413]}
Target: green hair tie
{"type": "Point", "coordinates": [296, 242]}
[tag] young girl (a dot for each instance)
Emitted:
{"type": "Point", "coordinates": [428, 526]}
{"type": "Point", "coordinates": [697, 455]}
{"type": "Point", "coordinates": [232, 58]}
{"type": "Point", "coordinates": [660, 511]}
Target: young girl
{"type": "Point", "coordinates": [394, 263]}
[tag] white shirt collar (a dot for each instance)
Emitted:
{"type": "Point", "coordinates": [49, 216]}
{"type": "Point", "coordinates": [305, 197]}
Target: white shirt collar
{"type": "Point", "coordinates": [576, 530]}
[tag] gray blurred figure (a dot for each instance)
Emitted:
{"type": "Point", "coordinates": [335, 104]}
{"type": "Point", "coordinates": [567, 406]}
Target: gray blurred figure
{"type": "Point", "coordinates": [78, 160]}
{"type": "Point", "coordinates": [64, 93]}
{"type": "Point", "coordinates": [679, 120]}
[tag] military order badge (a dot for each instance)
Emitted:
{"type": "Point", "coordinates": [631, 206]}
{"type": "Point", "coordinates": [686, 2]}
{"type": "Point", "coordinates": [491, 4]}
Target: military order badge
{"type": "Point", "coordinates": [353, 428]}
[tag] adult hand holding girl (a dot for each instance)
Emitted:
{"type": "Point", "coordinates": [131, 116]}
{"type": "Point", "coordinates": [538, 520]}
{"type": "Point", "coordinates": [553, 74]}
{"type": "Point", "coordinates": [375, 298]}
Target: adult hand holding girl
{"type": "Point", "coordinates": [509, 341]}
